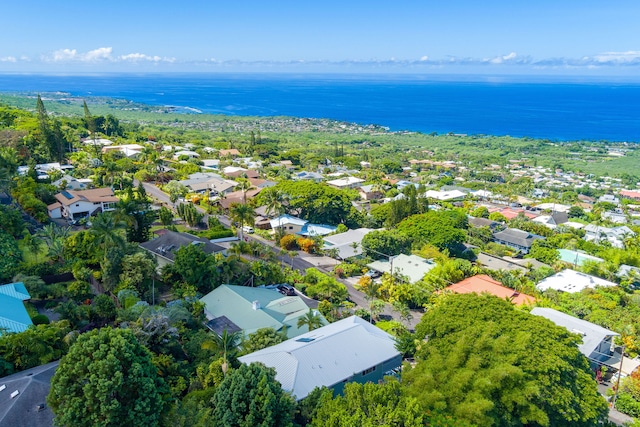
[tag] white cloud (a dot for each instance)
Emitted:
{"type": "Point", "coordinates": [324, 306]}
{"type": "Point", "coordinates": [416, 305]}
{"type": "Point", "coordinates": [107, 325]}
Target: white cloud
{"type": "Point", "coordinates": [424, 58]}
{"type": "Point", "coordinates": [101, 54]}
{"type": "Point", "coordinates": [8, 59]}
{"type": "Point", "coordinates": [64, 55]}
{"type": "Point", "coordinates": [502, 59]}
{"type": "Point", "coordinates": [98, 54]}
{"type": "Point", "coordinates": [141, 57]}
{"type": "Point", "coordinates": [632, 56]}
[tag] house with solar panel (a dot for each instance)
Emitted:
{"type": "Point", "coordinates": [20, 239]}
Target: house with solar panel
{"type": "Point", "coordinates": [13, 314]}
{"type": "Point", "coordinates": [349, 350]}
{"type": "Point", "coordinates": [247, 309]}
{"type": "Point", "coordinates": [78, 204]}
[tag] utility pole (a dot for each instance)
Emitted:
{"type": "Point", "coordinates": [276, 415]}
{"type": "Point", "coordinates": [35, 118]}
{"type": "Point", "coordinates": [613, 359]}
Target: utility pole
{"type": "Point", "coordinates": [615, 396]}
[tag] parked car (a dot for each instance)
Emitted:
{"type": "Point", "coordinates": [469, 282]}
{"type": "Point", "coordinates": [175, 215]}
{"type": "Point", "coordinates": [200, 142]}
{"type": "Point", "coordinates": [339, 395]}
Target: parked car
{"type": "Point", "coordinates": [373, 274]}
{"type": "Point", "coordinates": [286, 290]}
{"type": "Point", "coordinates": [247, 230]}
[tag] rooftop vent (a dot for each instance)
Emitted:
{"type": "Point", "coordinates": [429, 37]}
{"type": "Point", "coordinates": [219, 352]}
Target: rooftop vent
{"type": "Point", "coordinates": [256, 305]}
{"type": "Point", "coordinates": [14, 394]}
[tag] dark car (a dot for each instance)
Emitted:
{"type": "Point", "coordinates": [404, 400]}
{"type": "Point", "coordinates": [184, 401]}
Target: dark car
{"type": "Point", "coordinates": [286, 290]}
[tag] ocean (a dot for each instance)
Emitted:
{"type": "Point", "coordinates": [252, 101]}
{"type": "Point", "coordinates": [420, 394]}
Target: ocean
{"type": "Point", "coordinates": [539, 108]}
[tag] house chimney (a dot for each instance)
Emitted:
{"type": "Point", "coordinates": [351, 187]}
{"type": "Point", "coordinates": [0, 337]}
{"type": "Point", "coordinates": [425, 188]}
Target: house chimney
{"type": "Point", "coordinates": [256, 305]}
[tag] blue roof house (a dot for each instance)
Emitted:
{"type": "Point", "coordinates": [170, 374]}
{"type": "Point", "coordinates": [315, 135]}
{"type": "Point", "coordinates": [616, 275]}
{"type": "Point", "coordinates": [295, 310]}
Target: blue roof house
{"type": "Point", "coordinates": [13, 314]}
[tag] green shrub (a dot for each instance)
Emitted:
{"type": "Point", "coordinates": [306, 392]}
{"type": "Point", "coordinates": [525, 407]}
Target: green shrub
{"type": "Point", "coordinates": [40, 319]}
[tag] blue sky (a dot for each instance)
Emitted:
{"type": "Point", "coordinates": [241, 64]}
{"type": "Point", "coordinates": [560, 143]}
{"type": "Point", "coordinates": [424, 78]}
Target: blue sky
{"type": "Point", "coordinates": [552, 37]}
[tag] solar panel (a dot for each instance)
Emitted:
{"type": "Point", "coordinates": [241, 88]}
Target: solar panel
{"type": "Point", "coordinates": [67, 194]}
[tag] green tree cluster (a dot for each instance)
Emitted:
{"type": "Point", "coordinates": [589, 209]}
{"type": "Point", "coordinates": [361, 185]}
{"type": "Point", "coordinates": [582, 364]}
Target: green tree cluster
{"type": "Point", "coordinates": [490, 364]}
{"type": "Point", "coordinates": [107, 379]}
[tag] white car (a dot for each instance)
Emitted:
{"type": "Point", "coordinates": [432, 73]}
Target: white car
{"type": "Point", "coordinates": [247, 229]}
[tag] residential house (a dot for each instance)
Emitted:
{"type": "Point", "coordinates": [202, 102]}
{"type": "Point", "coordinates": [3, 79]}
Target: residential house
{"type": "Point", "coordinates": [288, 224]}
{"type": "Point", "coordinates": [552, 221]}
{"type": "Point", "coordinates": [348, 243]}
{"type": "Point", "coordinates": [128, 150]}
{"type": "Point", "coordinates": [23, 397]}
{"type": "Point", "coordinates": [349, 350]}
{"type": "Point", "coordinates": [616, 235]}
{"type": "Point", "coordinates": [97, 141]}
{"type": "Point", "coordinates": [247, 309]}
{"type": "Point", "coordinates": [371, 192]}
{"type": "Point", "coordinates": [78, 204]}
{"type": "Point", "coordinates": [616, 216]}
{"type": "Point", "coordinates": [164, 247]}
{"type": "Point", "coordinates": [13, 314]}
{"type": "Point", "coordinates": [293, 225]}
{"type": "Point", "coordinates": [484, 222]}
{"type": "Point", "coordinates": [232, 152]}
{"type": "Point", "coordinates": [188, 153]}
{"type": "Point", "coordinates": [446, 196]}
{"type": "Point", "coordinates": [212, 164]}
{"type": "Point", "coordinates": [571, 281]}
{"type": "Point", "coordinates": [412, 266]}
{"type": "Point", "coordinates": [630, 194]}
{"type": "Point", "coordinates": [483, 284]}
{"type": "Point", "coordinates": [630, 273]}
{"type": "Point", "coordinates": [67, 182]}
{"type": "Point", "coordinates": [516, 239]}
{"type": "Point", "coordinates": [597, 342]}
{"type": "Point", "coordinates": [609, 198]}
{"type": "Point", "coordinates": [307, 176]}
{"type": "Point", "coordinates": [346, 182]}
{"type": "Point", "coordinates": [496, 263]}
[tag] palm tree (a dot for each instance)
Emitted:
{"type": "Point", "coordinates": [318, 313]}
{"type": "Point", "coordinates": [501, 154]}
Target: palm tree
{"type": "Point", "coordinates": [312, 320]}
{"type": "Point", "coordinates": [242, 213]}
{"type": "Point", "coordinates": [275, 201]}
{"type": "Point", "coordinates": [106, 230]}
{"type": "Point", "coordinates": [243, 185]}
{"type": "Point", "coordinates": [32, 243]}
{"type": "Point", "coordinates": [51, 232]}
{"type": "Point", "coordinates": [227, 343]}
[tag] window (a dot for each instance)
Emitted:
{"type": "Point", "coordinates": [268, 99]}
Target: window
{"type": "Point", "coordinates": [368, 371]}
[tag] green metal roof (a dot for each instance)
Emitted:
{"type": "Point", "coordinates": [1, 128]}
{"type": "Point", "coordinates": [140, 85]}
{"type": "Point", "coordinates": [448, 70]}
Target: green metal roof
{"type": "Point", "coordinates": [272, 309]}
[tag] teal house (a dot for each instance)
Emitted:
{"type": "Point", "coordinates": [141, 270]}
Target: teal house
{"type": "Point", "coordinates": [247, 309]}
{"type": "Point", "coordinates": [13, 314]}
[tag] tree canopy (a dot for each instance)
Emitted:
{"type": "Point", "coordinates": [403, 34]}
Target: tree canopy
{"type": "Point", "coordinates": [107, 379]}
{"type": "Point", "coordinates": [251, 397]}
{"type": "Point", "coordinates": [492, 365]}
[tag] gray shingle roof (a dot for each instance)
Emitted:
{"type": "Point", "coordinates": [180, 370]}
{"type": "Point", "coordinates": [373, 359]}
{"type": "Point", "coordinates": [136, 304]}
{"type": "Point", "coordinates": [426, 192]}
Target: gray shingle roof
{"type": "Point", "coordinates": [33, 387]}
{"type": "Point", "coordinates": [167, 244]}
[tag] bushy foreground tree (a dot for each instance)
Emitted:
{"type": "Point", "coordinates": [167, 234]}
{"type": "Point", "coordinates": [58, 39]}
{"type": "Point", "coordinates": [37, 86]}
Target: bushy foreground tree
{"type": "Point", "coordinates": [251, 397]}
{"type": "Point", "coordinates": [491, 364]}
{"type": "Point", "coordinates": [107, 379]}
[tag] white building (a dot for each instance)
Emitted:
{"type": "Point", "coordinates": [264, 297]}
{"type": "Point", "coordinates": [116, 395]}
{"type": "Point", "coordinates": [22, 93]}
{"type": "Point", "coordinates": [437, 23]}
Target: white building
{"type": "Point", "coordinates": [615, 236]}
{"type": "Point", "coordinates": [349, 350]}
{"type": "Point", "coordinates": [346, 182]}
{"type": "Point", "coordinates": [80, 204]}
{"type": "Point", "coordinates": [572, 281]}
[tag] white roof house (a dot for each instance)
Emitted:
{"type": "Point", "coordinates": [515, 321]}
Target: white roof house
{"type": "Point", "coordinates": [596, 341]}
{"type": "Point", "coordinates": [344, 242]}
{"type": "Point", "coordinates": [571, 281]}
{"type": "Point", "coordinates": [412, 266]}
{"type": "Point", "coordinates": [350, 349]}
{"type": "Point", "coordinates": [446, 195]}
{"type": "Point", "coordinates": [346, 182]}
